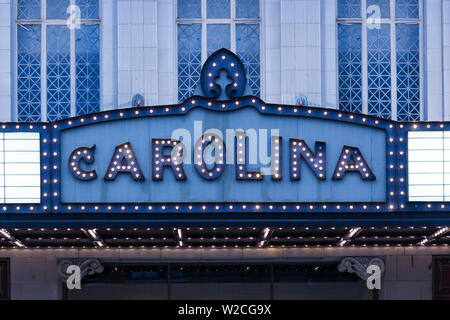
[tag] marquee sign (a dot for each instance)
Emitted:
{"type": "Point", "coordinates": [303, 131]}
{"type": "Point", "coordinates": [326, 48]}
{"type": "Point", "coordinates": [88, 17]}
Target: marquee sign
{"type": "Point", "coordinates": [260, 156]}
{"type": "Point", "coordinates": [140, 162]}
{"type": "Point", "coordinates": [224, 150]}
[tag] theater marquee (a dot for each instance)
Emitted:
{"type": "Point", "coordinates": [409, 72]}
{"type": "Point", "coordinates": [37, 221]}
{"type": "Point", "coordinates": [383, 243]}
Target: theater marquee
{"type": "Point", "coordinates": [309, 160]}
{"type": "Point", "coordinates": [224, 151]}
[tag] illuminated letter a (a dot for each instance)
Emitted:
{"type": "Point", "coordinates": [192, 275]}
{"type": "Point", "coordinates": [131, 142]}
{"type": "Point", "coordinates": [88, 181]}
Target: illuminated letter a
{"type": "Point", "coordinates": [124, 161]}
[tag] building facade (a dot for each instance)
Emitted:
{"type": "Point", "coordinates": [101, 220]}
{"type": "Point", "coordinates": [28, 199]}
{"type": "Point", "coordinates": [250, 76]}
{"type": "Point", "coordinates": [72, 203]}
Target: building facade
{"type": "Point", "coordinates": [384, 58]}
{"type": "Point", "coordinates": [388, 59]}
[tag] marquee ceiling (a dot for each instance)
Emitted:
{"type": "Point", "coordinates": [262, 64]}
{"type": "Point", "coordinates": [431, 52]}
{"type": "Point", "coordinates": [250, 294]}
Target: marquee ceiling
{"type": "Point", "coordinates": [233, 237]}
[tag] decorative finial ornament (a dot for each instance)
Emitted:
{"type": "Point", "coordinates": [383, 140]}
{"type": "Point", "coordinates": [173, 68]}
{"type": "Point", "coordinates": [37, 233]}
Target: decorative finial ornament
{"type": "Point", "coordinates": [226, 60]}
{"type": "Point", "coordinates": [138, 100]}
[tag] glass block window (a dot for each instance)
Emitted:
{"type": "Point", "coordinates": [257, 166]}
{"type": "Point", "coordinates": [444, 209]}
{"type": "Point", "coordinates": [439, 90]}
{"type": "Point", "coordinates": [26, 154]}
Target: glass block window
{"type": "Point", "coordinates": [218, 37]}
{"type": "Point", "coordinates": [57, 9]}
{"type": "Point", "coordinates": [218, 9]}
{"type": "Point", "coordinates": [29, 73]}
{"type": "Point", "coordinates": [209, 25]}
{"type": "Point", "coordinates": [408, 72]}
{"type": "Point", "coordinates": [247, 9]}
{"type": "Point", "coordinates": [407, 9]}
{"type": "Point", "coordinates": [87, 65]}
{"type": "Point", "coordinates": [58, 72]}
{"type": "Point", "coordinates": [247, 49]}
{"type": "Point", "coordinates": [349, 8]}
{"type": "Point", "coordinates": [88, 9]}
{"type": "Point", "coordinates": [28, 9]}
{"type": "Point", "coordinates": [379, 71]}
{"type": "Point", "coordinates": [379, 58]}
{"type": "Point", "coordinates": [189, 59]}
{"type": "Point", "coordinates": [349, 53]}
{"type": "Point", "coordinates": [382, 7]}
{"type": "Point", "coordinates": [189, 9]}
{"type": "Point", "coordinates": [58, 59]}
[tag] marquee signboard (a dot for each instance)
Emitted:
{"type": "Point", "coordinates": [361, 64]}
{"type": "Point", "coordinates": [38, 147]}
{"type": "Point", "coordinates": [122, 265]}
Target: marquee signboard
{"type": "Point", "coordinates": [315, 160]}
{"type": "Point", "coordinates": [223, 150]}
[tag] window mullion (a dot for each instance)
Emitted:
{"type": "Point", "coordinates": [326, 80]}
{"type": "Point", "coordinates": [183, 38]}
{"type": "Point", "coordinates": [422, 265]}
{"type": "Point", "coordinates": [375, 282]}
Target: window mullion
{"type": "Point", "coordinates": [218, 21]}
{"type": "Point", "coordinates": [233, 27]}
{"type": "Point", "coordinates": [393, 64]}
{"type": "Point", "coordinates": [204, 33]}
{"type": "Point", "coordinates": [233, 46]}
{"type": "Point", "coordinates": [421, 69]}
{"type": "Point", "coordinates": [44, 61]}
{"type": "Point", "coordinates": [364, 57]}
{"type": "Point", "coordinates": [72, 73]}
{"type": "Point", "coordinates": [73, 70]}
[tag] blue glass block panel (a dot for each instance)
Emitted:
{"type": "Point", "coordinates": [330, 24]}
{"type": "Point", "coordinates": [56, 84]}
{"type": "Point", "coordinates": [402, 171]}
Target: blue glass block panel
{"type": "Point", "coordinates": [408, 72]}
{"type": "Point", "coordinates": [379, 71]}
{"type": "Point", "coordinates": [407, 9]}
{"type": "Point", "coordinates": [349, 8]}
{"type": "Point", "coordinates": [218, 36]}
{"type": "Point", "coordinates": [189, 9]}
{"type": "Point", "coordinates": [247, 9]}
{"type": "Point", "coordinates": [384, 8]}
{"type": "Point", "coordinates": [87, 53]}
{"type": "Point", "coordinates": [218, 9]}
{"type": "Point", "coordinates": [29, 73]}
{"type": "Point", "coordinates": [248, 50]}
{"type": "Point", "coordinates": [28, 9]}
{"type": "Point", "coordinates": [189, 59]}
{"type": "Point", "coordinates": [349, 66]}
{"type": "Point", "coordinates": [57, 9]}
{"type": "Point", "coordinates": [58, 72]}
{"type": "Point", "coordinates": [88, 8]}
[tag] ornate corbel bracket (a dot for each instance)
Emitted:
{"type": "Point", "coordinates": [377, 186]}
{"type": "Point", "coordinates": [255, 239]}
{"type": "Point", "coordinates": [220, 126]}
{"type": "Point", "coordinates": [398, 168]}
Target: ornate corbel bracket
{"type": "Point", "coordinates": [87, 267]}
{"type": "Point", "coordinates": [359, 265]}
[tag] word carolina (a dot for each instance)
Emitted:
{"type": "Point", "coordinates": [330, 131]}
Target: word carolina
{"type": "Point", "coordinates": [168, 155]}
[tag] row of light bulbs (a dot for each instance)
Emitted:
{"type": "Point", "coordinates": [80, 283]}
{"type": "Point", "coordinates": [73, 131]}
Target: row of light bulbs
{"type": "Point", "coordinates": [244, 207]}
{"type": "Point", "coordinates": [224, 246]}
{"type": "Point", "coordinates": [221, 228]}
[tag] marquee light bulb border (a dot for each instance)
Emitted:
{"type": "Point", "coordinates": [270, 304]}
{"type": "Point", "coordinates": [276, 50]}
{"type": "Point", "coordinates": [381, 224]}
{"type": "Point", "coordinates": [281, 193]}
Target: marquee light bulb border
{"type": "Point", "coordinates": [396, 147]}
{"type": "Point", "coordinates": [396, 184]}
{"type": "Point", "coordinates": [227, 207]}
